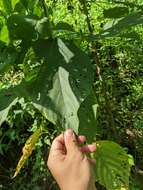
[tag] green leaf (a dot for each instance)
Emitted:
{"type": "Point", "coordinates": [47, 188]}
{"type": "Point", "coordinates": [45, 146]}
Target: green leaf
{"type": "Point", "coordinates": [6, 102]}
{"type": "Point", "coordinates": [22, 26]}
{"type": "Point", "coordinates": [7, 6]}
{"type": "Point", "coordinates": [121, 24]}
{"type": "Point", "coordinates": [117, 26]}
{"type": "Point", "coordinates": [112, 168]}
{"type": "Point", "coordinates": [42, 27]}
{"type": "Point", "coordinates": [63, 105]}
{"type": "Point", "coordinates": [29, 4]}
{"type": "Point", "coordinates": [116, 12]}
{"type": "Point", "coordinates": [32, 26]}
{"type": "Point", "coordinates": [14, 2]}
{"type": "Point", "coordinates": [87, 118]}
{"type": "Point", "coordinates": [4, 34]}
{"type": "Point", "coordinates": [63, 59]}
{"type": "Point", "coordinates": [9, 97]}
{"type": "Point", "coordinates": [25, 3]}
{"type": "Point", "coordinates": [7, 59]}
{"type": "Point", "coordinates": [66, 76]}
{"type": "Point", "coordinates": [64, 100]}
{"type": "Point", "coordinates": [19, 8]}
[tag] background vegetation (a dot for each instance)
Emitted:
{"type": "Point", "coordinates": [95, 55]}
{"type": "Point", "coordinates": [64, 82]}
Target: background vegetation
{"type": "Point", "coordinates": [94, 49]}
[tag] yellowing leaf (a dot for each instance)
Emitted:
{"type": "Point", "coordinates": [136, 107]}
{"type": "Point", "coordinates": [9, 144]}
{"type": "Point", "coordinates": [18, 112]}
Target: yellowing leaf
{"type": "Point", "coordinates": [28, 149]}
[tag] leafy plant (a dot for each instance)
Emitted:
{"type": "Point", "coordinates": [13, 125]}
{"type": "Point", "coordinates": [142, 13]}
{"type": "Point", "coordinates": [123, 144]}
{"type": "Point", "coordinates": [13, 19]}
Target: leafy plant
{"type": "Point", "coordinates": [58, 78]}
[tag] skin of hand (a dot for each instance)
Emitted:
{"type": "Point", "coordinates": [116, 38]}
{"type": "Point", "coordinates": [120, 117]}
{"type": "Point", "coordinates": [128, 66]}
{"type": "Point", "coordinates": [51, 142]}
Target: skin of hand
{"type": "Point", "coordinates": [69, 163]}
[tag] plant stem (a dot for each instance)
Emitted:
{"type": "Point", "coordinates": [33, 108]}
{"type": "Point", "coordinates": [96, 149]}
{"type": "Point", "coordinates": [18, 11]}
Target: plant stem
{"type": "Point", "coordinates": [45, 8]}
{"type": "Point", "coordinates": [96, 61]}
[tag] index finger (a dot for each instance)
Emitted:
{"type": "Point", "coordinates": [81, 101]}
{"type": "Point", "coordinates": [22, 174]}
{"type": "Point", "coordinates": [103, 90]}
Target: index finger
{"type": "Point", "coordinates": [58, 142]}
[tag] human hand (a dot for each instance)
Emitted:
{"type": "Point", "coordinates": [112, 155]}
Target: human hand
{"type": "Point", "coordinates": [69, 163]}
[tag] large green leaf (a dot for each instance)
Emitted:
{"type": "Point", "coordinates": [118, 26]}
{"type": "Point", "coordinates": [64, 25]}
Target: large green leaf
{"type": "Point", "coordinates": [68, 65]}
{"type": "Point", "coordinates": [64, 100]}
{"type": "Point", "coordinates": [112, 168]}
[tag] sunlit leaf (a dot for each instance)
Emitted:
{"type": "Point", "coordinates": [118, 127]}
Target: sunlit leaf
{"type": "Point", "coordinates": [112, 168]}
{"type": "Point", "coordinates": [14, 2]}
{"type": "Point", "coordinates": [7, 6]}
{"type": "Point", "coordinates": [4, 34]}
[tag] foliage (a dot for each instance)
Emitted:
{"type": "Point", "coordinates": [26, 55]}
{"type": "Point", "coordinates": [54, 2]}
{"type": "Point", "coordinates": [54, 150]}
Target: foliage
{"type": "Point", "coordinates": [86, 75]}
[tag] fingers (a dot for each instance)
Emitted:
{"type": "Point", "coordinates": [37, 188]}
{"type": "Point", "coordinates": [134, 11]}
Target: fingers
{"type": "Point", "coordinates": [58, 145]}
{"type": "Point", "coordinates": [81, 139]}
{"type": "Point", "coordinates": [88, 148]}
{"type": "Point", "coordinates": [71, 142]}
{"type": "Point", "coordinates": [68, 142]}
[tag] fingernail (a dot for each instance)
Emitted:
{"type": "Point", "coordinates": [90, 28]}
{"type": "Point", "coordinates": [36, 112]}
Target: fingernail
{"type": "Point", "coordinates": [69, 133]}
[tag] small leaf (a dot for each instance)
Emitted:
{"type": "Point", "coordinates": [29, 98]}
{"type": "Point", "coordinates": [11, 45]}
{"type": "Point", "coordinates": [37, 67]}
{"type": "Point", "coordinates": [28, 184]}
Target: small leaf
{"type": "Point", "coordinates": [7, 100]}
{"type": "Point", "coordinates": [112, 168]}
{"type": "Point", "coordinates": [4, 34]}
{"type": "Point", "coordinates": [28, 149]}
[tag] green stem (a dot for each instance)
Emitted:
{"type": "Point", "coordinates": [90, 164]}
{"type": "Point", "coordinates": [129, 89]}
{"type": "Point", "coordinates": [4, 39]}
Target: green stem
{"type": "Point", "coordinates": [45, 8]}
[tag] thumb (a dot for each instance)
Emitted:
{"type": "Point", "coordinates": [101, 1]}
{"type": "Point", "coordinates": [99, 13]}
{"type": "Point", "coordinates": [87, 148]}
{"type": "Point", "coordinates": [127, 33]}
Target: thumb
{"type": "Point", "coordinates": [70, 141]}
